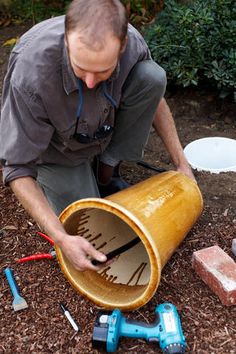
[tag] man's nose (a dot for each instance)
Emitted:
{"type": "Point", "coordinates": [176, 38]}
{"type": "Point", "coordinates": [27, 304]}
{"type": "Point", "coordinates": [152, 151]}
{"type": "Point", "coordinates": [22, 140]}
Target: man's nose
{"type": "Point", "coordinates": [90, 80]}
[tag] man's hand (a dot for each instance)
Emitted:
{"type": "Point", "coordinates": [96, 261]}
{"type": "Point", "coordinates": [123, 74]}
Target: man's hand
{"type": "Point", "coordinates": [80, 252]}
{"type": "Point", "coordinates": [187, 171]}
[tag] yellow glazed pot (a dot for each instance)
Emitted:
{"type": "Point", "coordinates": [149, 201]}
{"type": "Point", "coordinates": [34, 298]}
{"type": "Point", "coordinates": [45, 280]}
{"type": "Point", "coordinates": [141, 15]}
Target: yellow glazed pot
{"type": "Point", "coordinates": [160, 211]}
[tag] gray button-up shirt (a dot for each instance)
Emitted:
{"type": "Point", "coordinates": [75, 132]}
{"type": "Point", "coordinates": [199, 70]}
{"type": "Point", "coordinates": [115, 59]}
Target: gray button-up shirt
{"type": "Point", "coordinates": [40, 100]}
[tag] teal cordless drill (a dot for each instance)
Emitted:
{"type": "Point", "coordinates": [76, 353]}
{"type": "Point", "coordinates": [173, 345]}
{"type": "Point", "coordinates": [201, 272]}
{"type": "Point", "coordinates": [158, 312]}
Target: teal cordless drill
{"type": "Point", "coordinates": [166, 330]}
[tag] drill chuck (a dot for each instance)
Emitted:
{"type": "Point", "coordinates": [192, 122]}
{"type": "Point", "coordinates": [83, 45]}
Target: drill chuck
{"type": "Point", "coordinates": [174, 349]}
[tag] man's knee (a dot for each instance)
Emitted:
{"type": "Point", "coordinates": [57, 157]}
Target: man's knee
{"type": "Point", "coordinates": [150, 75]}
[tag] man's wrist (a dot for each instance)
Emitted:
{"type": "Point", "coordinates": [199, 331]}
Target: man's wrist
{"type": "Point", "coordinates": [180, 161]}
{"type": "Point", "coordinates": [58, 236]}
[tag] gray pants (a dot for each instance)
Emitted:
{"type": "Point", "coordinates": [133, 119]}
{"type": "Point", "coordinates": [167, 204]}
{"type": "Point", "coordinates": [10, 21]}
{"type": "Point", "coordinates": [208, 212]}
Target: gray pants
{"type": "Point", "coordinates": [142, 92]}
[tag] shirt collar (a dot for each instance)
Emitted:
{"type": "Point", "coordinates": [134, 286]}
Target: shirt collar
{"type": "Point", "coordinates": [68, 77]}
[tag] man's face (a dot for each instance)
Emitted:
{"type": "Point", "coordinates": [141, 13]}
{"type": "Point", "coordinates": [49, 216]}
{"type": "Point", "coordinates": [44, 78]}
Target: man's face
{"type": "Point", "coordinates": [93, 66]}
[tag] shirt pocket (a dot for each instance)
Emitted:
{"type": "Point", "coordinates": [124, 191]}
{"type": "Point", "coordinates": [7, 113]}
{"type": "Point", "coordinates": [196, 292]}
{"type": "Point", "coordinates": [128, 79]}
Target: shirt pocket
{"type": "Point", "coordinates": [70, 143]}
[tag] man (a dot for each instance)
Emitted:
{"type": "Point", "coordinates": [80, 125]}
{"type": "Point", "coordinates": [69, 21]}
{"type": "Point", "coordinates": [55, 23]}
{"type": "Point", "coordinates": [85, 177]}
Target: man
{"type": "Point", "coordinates": [79, 87]}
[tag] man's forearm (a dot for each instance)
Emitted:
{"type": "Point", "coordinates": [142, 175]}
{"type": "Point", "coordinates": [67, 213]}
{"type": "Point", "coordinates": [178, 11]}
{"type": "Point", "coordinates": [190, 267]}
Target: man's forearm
{"type": "Point", "coordinates": [77, 249]}
{"type": "Point", "coordinates": [164, 125]}
{"type": "Point", "coordinates": [165, 128]}
{"type": "Point", "coordinates": [35, 203]}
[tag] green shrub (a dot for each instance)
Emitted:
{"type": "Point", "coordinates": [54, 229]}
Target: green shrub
{"type": "Point", "coordinates": [140, 11]}
{"type": "Point", "coordinates": [37, 10]}
{"type": "Point", "coordinates": [195, 43]}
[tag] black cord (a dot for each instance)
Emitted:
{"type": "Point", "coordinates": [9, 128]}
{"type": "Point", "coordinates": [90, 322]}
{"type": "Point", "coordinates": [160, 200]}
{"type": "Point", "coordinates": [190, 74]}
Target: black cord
{"type": "Point", "coordinates": [150, 167]}
{"type": "Point", "coordinates": [118, 251]}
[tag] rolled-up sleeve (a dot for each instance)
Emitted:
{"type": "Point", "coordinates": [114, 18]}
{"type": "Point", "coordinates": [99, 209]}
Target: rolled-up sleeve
{"type": "Point", "coordinates": [25, 131]}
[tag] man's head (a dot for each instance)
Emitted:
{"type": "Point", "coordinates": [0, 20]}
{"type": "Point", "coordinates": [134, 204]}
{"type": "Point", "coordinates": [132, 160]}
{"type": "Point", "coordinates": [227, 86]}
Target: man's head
{"type": "Point", "coordinates": [96, 35]}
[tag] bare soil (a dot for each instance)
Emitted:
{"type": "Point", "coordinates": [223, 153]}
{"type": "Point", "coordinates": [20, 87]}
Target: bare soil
{"type": "Point", "coordinates": [209, 327]}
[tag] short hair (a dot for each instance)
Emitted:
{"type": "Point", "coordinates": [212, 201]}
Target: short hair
{"type": "Point", "coordinates": [95, 18]}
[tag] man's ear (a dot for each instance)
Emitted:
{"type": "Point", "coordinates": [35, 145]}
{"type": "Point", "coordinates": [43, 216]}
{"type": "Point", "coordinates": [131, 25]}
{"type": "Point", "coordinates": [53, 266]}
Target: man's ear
{"type": "Point", "coordinates": [124, 44]}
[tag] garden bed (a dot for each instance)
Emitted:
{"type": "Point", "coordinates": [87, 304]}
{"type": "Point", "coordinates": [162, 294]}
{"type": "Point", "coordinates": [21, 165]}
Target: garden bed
{"type": "Point", "coordinates": [209, 326]}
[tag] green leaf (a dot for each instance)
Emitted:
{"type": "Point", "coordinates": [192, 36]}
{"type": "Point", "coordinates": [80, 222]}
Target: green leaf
{"type": "Point", "coordinates": [10, 42]}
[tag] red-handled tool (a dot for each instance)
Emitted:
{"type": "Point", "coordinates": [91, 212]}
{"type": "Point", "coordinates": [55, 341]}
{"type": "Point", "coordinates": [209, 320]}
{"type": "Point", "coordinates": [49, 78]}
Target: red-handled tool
{"type": "Point", "coordinates": [50, 255]}
{"type": "Point", "coordinates": [46, 237]}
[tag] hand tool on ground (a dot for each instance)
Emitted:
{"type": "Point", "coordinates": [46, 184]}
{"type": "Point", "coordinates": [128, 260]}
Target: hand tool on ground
{"type": "Point", "coordinates": [50, 255]}
{"type": "Point", "coordinates": [234, 246]}
{"type": "Point", "coordinates": [19, 302]}
{"type": "Point", "coordinates": [69, 317]}
{"type": "Point", "coordinates": [166, 330]}
{"type": "Point", "coordinates": [118, 251]}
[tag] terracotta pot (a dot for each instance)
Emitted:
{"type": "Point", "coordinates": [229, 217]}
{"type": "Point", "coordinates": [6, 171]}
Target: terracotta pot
{"type": "Point", "coordinates": [160, 211]}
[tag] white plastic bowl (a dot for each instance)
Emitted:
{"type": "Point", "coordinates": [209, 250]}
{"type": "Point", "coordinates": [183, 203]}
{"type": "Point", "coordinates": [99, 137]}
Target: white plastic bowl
{"type": "Point", "coordinates": [214, 154]}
